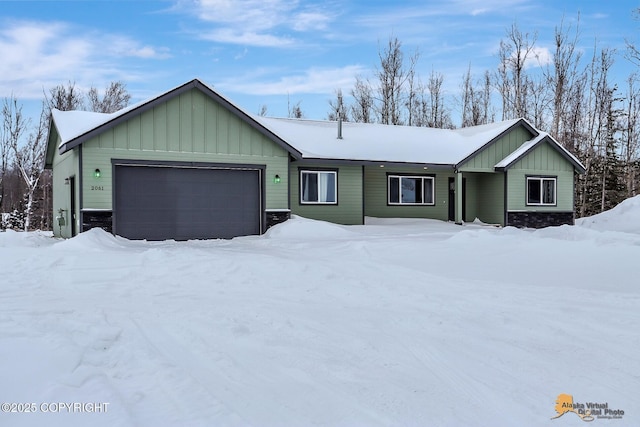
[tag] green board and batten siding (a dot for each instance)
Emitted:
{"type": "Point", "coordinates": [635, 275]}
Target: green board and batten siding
{"type": "Point", "coordinates": [65, 166]}
{"type": "Point", "coordinates": [376, 203]}
{"type": "Point", "coordinates": [472, 182]}
{"type": "Point", "coordinates": [349, 208]}
{"type": "Point", "coordinates": [491, 199]}
{"type": "Point", "coordinates": [492, 154]}
{"type": "Point", "coordinates": [541, 161]}
{"type": "Point", "coordinates": [191, 127]}
{"type": "Point", "coordinates": [484, 197]}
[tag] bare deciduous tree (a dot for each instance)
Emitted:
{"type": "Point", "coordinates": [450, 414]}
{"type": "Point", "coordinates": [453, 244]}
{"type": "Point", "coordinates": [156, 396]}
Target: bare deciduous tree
{"type": "Point", "coordinates": [28, 156]}
{"type": "Point", "coordinates": [598, 125]}
{"type": "Point", "coordinates": [115, 98]}
{"type": "Point", "coordinates": [469, 114]}
{"type": "Point", "coordinates": [362, 109]}
{"type": "Point", "coordinates": [392, 76]}
{"type": "Point", "coordinates": [69, 98]}
{"type": "Point", "coordinates": [438, 114]}
{"type": "Point", "coordinates": [514, 53]}
{"type": "Point", "coordinates": [476, 100]}
{"type": "Point", "coordinates": [633, 52]}
{"type": "Point", "coordinates": [295, 111]}
{"type": "Point", "coordinates": [538, 100]}
{"type": "Point", "coordinates": [488, 112]}
{"type": "Point", "coordinates": [631, 135]}
{"type": "Point", "coordinates": [14, 125]}
{"type": "Point", "coordinates": [337, 110]}
{"type": "Point", "coordinates": [65, 98]}
{"type": "Point", "coordinates": [29, 160]}
{"type": "Point", "coordinates": [413, 102]}
{"type": "Point", "coordinates": [564, 75]}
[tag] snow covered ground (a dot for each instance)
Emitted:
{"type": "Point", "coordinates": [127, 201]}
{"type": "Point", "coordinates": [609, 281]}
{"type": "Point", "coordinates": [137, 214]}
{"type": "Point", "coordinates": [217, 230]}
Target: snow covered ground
{"type": "Point", "coordinates": [398, 322]}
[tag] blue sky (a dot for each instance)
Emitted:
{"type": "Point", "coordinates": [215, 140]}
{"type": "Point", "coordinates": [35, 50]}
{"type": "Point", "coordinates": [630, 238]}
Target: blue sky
{"type": "Point", "coordinates": [271, 52]}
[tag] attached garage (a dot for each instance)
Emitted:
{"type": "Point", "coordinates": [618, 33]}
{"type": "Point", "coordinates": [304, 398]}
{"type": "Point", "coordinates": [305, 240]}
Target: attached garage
{"type": "Point", "coordinates": [187, 164]}
{"type": "Point", "coordinates": [158, 202]}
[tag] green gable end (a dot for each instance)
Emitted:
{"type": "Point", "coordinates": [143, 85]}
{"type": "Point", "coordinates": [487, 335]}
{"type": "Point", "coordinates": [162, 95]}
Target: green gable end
{"type": "Point", "coordinates": [545, 161]}
{"type": "Point", "coordinates": [488, 156]}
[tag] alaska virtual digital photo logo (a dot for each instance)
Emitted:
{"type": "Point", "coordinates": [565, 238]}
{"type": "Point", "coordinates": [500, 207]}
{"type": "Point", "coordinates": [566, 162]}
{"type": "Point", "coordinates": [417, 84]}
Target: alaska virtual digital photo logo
{"type": "Point", "coordinates": [586, 411]}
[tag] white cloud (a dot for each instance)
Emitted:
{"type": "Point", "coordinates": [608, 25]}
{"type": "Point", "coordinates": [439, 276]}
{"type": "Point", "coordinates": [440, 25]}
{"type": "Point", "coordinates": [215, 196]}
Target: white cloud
{"type": "Point", "coordinates": [254, 15]}
{"type": "Point", "coordinates": [538, 57]}
{"type": "Point", "coordinates": [126, 47]}
{"type": "Point", "coordinates": [541, 56]}
{"type": "Point", "coordinates": [311, 21]}
{"type": "Point", "coordinates": [263, 23]}
{"type": "Point", "coordinates": [312, 81]}
{"type": "Point", "coordinates": [247, 38]}
{"type": "Point", "coordinates": [416, 15]}
{"type": "Point", "coordinates": [39, 55]}
{"type": "Point", "coordinates": [241, 54]}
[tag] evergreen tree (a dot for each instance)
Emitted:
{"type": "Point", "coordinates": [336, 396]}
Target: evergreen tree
{"type": "Point", "coordinates": [613, 185]}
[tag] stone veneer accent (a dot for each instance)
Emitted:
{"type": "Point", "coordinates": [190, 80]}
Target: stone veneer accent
{"type": "Point", "coordinates": [94, 219]}
{"type": "Point", "coordinates": [276, 217]}
{"type": "Point", "coordinates": [539, 219]}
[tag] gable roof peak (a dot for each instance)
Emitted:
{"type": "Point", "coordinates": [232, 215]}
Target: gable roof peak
{"type": "Point", "coordinates": [76, 127]}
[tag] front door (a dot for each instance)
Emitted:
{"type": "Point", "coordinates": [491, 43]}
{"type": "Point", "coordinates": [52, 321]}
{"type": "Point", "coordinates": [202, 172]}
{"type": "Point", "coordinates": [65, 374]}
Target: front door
{"type": "Point", "coordinates": [72, 214]}
{"type": "Point", "coordinates": [452, 199]}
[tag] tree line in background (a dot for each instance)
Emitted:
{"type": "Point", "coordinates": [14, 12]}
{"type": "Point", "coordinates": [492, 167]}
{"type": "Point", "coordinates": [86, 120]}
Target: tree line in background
{"type": "Point", "coordinates": [574, 99]}
{"type": "Point", "coordinates": [25, 187]}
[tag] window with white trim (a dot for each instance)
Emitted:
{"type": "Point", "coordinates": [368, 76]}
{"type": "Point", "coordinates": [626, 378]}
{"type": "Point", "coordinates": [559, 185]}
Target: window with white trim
{"type": "Point", "coordinates": [410, 190]}
{"type": "Point", "coordinates": [541, 191]}
{"type": "Point", "coordinates": [318, 187]}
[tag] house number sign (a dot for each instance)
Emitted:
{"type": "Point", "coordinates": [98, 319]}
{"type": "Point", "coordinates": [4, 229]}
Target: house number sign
{"type": "Point", "coordinates": [97, 188]}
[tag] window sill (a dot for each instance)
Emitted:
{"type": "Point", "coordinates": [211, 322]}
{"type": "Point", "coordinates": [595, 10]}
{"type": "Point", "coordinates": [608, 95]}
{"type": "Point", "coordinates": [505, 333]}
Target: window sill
{"type": "Point", "coordinates": [411, 204]}
{"type": "Point", "coordinates": [318, 203]}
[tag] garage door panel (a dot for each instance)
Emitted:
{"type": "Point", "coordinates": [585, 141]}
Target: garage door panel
{"type": "Point", "coordinates": [158, 203]}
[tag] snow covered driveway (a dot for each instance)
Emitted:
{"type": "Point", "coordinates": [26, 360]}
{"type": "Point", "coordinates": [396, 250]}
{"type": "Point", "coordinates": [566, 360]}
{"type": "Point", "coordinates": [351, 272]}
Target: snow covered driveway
{"type": "Point", "coordinates": [392, 323]}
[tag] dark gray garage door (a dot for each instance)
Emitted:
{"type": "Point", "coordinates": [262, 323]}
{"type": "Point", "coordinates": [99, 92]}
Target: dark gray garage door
{"type": "Point", "coordinates": [158, 203]}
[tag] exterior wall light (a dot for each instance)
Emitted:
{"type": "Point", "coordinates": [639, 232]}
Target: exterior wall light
{"type": "Point", "coordinates": [96, 173]}
{"type": "Point", "coordinates": [276, 179]}
{"type": "Point", "coordinates": [66, 181]}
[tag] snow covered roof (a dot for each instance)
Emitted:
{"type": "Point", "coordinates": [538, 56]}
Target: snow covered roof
{"type": "Point", "coordinates": [521, 151]}
{"type": "Point", "coordinates": [74, 124]}
{"type": "Point", "coordinates": [383, 143]}
{"type": "Point", "coordinates": [318, 140]}
{"type": "Point", "coordinates": [71, 124]}
{"type": "Point", "coordinates": [75, 127]}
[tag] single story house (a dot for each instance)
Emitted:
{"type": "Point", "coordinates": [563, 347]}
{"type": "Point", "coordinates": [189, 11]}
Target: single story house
{"type": "Point", "coordinates": [190, 164]}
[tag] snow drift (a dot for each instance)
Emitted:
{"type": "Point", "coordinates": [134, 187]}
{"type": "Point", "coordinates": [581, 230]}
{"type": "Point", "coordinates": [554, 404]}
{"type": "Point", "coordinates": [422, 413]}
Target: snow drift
{"type": "Point", "coordinates": [625, 217]}
{"type": "Point", "coordinates": [398, 322]}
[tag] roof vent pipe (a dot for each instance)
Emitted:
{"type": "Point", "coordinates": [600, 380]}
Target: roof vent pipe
{"type": "Point", "coordinates": [340, 114]}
